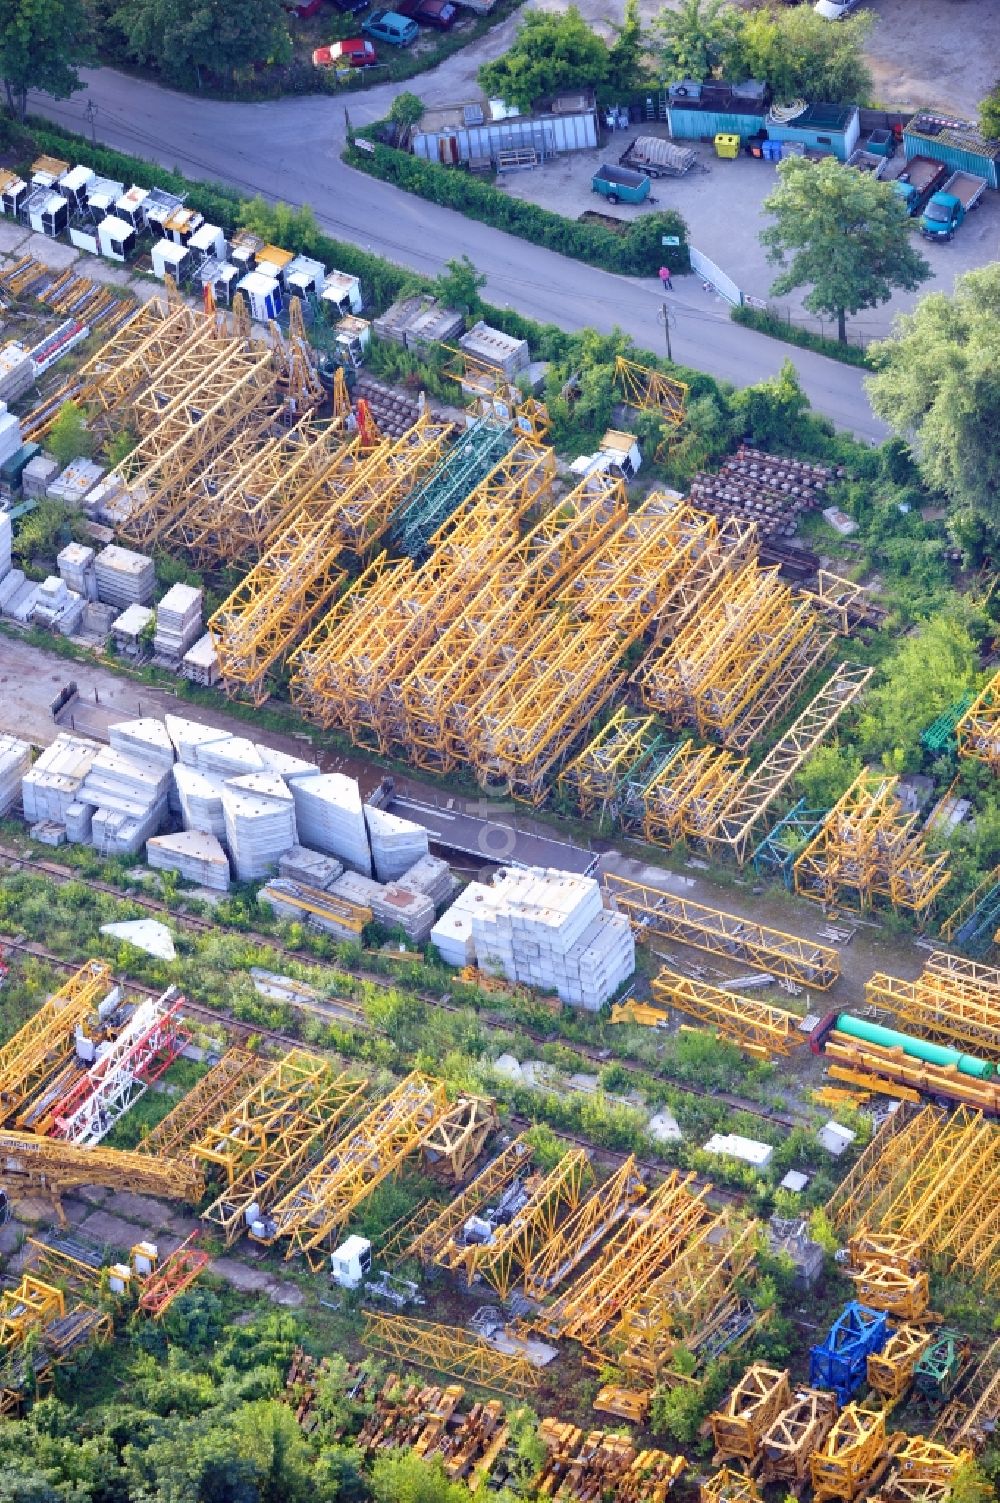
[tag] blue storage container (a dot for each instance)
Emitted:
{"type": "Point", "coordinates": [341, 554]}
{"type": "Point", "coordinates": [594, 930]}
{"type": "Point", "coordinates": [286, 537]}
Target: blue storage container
{"type": "Point", "coordinates": [772, 151]}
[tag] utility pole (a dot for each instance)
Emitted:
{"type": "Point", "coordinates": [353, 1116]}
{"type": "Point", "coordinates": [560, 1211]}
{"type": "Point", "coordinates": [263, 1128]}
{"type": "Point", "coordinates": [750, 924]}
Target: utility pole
{"type": "Point", "coordinates": [92, 117]}
{"type": "Point", "coordinates": [664, 318]}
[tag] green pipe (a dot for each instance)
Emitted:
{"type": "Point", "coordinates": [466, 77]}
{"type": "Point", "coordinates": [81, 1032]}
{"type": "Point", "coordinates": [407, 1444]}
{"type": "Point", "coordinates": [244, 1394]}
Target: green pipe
{"type": "Point", "coordinates": [932, 1054]}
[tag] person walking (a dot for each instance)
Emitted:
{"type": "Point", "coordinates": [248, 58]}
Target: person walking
{"type": "Point", "coordinates": [665, 278]}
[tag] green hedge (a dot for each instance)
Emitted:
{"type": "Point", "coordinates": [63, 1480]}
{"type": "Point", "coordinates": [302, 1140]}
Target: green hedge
{"type": "Point", "coordinates": [638, 252]}
{"type": "Point", "coordinates": [765, 321]}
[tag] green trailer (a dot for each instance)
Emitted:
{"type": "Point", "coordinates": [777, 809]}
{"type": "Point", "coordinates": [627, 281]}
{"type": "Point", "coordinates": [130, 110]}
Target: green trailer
{"type": "Point", "coordinates": [620, 184]}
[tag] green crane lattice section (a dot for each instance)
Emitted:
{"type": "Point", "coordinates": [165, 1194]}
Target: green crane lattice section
{"type": "Point", "coordinates": [465, 466]}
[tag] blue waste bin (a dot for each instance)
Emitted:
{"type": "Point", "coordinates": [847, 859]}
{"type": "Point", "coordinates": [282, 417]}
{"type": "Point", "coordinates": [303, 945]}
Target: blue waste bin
{"type": "Point", "coordinates": [772, 151]}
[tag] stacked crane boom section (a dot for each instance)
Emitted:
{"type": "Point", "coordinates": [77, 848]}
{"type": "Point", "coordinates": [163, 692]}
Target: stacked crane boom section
{"type": "Point", "coordinates": [758, 1398]}
{"type": "Point", "coordinates": [934, 1179]}
{"type": "Point", "coordinates": [448, 1349]}
{"type": "Point", "coordinates": [759, 1028]}
{"type": "Point", "coordinates": [224, 1085]}
{"type": "Point", "coordinates": [264, 617]}
{"type": "Point", "coordinates": [595, 779]}
{"type": "Point", "coordinates": [56, 1166]}
{"type": "Point", "coordinates": [496, 1176]}
{"type": "Point", "coordinates": [950, 1002]}
{"type": "Point", "coordinates": [655, 914]}
{"type": "Point", "coordinates": [978, 731]}
{"type": "Point", "coordinates": [866, 850]}
{"type": "Point", "coordinates": [45, 1042]}
{"type": "Point", "coordinates": [353, 1167]}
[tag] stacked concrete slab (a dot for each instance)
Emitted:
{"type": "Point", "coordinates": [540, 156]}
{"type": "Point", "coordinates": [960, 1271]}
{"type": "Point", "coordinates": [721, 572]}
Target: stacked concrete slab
{"type": "Point", "coordinates": [37, 475]}
{"type": "Point", "coordinates": [200, 663]}
{"type": "Point", "coordinates": [200, 798]}
{"type": "Point", "coordinates": [18, 596]}
{"type": "Point", "coordinates": [260, 823]}
{"type": "Point", "coordinates": [331, 817]}
{"type": "Point", "coordinates": [129, 798]}
{"type": "Point", "coordinates": [129, 627]}
{"type": "Point", "coordinates": [310, 868]}
{"type": "Point", "coordinates": [396, 907]}
{"type": "Point", "coordinates": [56, 778]}
{"type": "Point", "coordinates": [15, 759]}
{"type": "Point", "coordinates": [145, 738]}
{"type": "Point", "coordinates": [197, 857]}
{"type": "Point", "coordinates": [6, 541]}
{"type": "Point", "coordinates": [431, 876]}
{"type": "Point", "coordinates": [76, 482]}
{"type": "Point", "coordinates": [354, 887]}
{"type": "Point", "coordinates": [187, 735]}
{"type": "Point", "coordinates": [395, 843]}
{"type": "Point", "coordinates": [228, 756]}
{"type": "Point", "coordinates": [124, 578]}
{"type": "Point", "coordinates": [178, 622]}
{"type": "Point", "coordinates": [10, 433]}
{"type": "Point", "coordinates": [75, 563]}
{"type": "Point", "coordinates": [548, 929]}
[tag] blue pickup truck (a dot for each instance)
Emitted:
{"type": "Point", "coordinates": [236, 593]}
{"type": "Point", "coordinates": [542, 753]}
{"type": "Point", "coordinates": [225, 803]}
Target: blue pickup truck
{"type": "Point", "coordinates": [947, 209]}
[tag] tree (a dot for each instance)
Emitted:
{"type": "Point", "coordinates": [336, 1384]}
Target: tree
{"type": "Point", "coordinates": [626, 51]}
{"type": "Point", "coordinates": [774, 412]}
{"type": "Point", "coordinates": [551, 52]}
{"type": "Point", "coordinates": [406, 109]}
{"type": "Point", "coordinates": [827, 774]}
{"type": "Point", "coordinates": [801, 56]}
{"type": "Point", "coordinates": [989, 114]}
{"type": "Point", "coordinates": [848, 234]}
{"type": "Point", "coordinates": [42, 42]}
{"type": "Point", "coordinates": [937, 384]}
{"type": "Point", "coordinates": [68, 437]}
{"type": "Point", "coordinates": [459, 286]}
{"type": "Point", "coordinates": [208, 36]}
{"type": "Point", "coordinates": [404, 1477]}
{"type": "Point", "coordinates": [694, 40]}
{"type": "Point", "coordinates": [929, 672]}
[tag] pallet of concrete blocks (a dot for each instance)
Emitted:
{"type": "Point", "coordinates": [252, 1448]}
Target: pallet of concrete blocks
{"type": "Point", "coordinates": [200, 663]}
{"type": "Point", "coordinates": [55, 780]}
{"type": "Point", "coordinates": [178, 623]}
{"type": "Point", "coordinates": [311, 868]}
{"type": "Point", "coordinates": [75, 563]}
{"type": "Point", "coordinates": [130, 631]}
{"type": "Point", "coordinates": [145, 738]}
{"type": "Point", "coordinates": [397, 907]}
{"type": "Point", "coordinates": [124, 578]}
{"type": "Point", "coordinates": [15, 760]}
{"type": "Point", "coordinates": [395, 843]}
{"type": "Point", "coordinates": [38, 474]}
{"type": "Point", "coordinates": [452, 935]}
{"type": "Point", "coordinates": [56, 608]}
{"type": "Point", "coordinates": [260, 823]}
{"type": "Point", "coordinates": [195, 856]}
{"type": "Point", "coordinates": [431, 876]}
{"type": "Point", "coordinates": [330, 817]}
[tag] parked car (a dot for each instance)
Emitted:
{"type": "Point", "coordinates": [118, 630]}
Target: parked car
{"type": "Point", "coordinates": [835, 10]}
{"type": "Point", "coordinates": [440, 14]}
{"type": "Point", "coordinates": [356, 52]}
{"type": "Point", "coordinates": [389, 26]}
{"type": "Point", "coordinates": [352, 7]}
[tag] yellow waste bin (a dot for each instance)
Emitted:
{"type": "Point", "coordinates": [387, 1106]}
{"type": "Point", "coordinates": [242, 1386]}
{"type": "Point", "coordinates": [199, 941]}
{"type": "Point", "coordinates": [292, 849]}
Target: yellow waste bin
{"type": "Point", "coordinates": [727, 145]}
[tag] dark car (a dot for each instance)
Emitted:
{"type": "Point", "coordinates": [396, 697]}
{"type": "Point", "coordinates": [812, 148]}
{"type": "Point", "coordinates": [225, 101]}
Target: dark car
{"type": "Point", "coordinates": [352, 7]}
{"type": "Point", "coordinates": [440, 14]}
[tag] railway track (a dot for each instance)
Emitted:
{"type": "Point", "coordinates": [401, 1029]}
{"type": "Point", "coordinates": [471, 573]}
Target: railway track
{"type": "Point", "coordinates": [596, 1056]}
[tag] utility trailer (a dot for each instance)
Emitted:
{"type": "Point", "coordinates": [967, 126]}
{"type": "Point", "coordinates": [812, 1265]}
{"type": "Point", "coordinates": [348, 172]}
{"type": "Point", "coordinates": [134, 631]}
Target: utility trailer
{"type": "Point", "coordinates": [655, 157]}
{"type": "Point", "coordinates": [620, 184]}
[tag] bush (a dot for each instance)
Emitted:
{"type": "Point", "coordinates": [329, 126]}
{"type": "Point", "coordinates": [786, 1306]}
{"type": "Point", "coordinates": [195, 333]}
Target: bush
{"type": "Point", "coordinates": [767, 321]}
{"type": "Point", "coordinates": [638, 252]}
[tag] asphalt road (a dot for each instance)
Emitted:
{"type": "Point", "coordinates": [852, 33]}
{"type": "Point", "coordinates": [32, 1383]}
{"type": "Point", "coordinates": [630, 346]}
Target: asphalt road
{"type": "Point", "coordinates": [289, 149]}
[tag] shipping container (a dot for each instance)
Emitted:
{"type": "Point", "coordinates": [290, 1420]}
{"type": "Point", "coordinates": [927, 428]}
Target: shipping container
{"type": "Point", "coordinates": [828, 128]}
{"type": "Point", "coordinates": [954, 142]}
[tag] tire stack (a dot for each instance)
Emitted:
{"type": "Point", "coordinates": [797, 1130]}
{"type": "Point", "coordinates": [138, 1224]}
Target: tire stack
{"type": "Point", "coordinates": [394, 411]}
{"type": "Point", "coordinates": [768, 489]}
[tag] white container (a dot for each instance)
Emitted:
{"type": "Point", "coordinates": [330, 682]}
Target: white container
{"type": "Point", "coordinates": [116, 239]}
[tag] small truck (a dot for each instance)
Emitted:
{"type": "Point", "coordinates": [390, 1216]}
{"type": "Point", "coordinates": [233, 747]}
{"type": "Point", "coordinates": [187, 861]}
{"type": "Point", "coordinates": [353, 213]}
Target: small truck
{"type": "Point", "coordinates": [921, 177]}
{"type": "Point", "coordinates": [948, 208]}
{"type": "Point", "coordinates": [620, 184]}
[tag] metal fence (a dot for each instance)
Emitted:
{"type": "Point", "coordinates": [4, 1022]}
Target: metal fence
{"type": "Point", "coordinates": [720, 280]}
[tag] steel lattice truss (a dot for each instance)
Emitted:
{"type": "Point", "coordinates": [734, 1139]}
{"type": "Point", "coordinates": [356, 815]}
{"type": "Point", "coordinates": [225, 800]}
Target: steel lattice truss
{"type": "Point", "coordinates": [53, 1165]}
{"type": "Point", "coordinates": [890, 1371]}
{"type": "Point", "coordinates": [978, 731]}
{"type": "Point", "coordinates": [466, 465]}
{"type": "Point", "coordinates": [147, 1045]}
{"type": "Point", "coordinates": [650, 391]}
{"type": "Point", "coordinates": [224, 1085]}
{"type": "Point", "coordinates": [448, 1349]}
{"type": "Point", "coordinates": [583, 1230]}
{"type": "Point", "coordinates": [686, 1302]}
{"type": "Point", "coordinates": [651, 1236]}
{"type": "Point", "coordinates": [355, 1165]}
{"type": "Point", "coordinates": [759, 1028]}
{"type": "Point", "coordinates": [512, 1247]}
{"type": "Point", "coordinates": [933, 1179]}
{"type": "Point", "coordinates": [943, 1003]}
{"type": "Point", "coordinates": [46, 1040]}
{"type": "Point", "coordinates": [729, 1486]}
{"type": "Point", "coordinates": [972, 1421]}
{"type": "Point", "coordinates": [654, 913]}
{"type": "Point", "coordinates": [496, 1176]}
{"type": "Point", "coordinates": [923, 1471]}
{"type": "Point", "coordinates": [264, 1111]}
{"type": "Point", "coordinates": [596, 778]}
{"type": "Point", "coordinates": [853, 1452]}
{"type": "Point", "coordinates": [733, 666]}
{"type": "Point", "coordinates": [175, 1274]}
{"type": "Point", "coordinates": [455, 1142]}
{"type": "Point", "coordinates": [868, 849]}
{"type": "Point", "coordinates": [795, 1434]}
{"type": "Point", "coordinates": [264, 617]}
{"type": "Point", "coordinates": [586, 1466]}
{"type": "Point", "coordinates": [752, 1407]}
{"type": "Point", "coordinates": [973, 924]}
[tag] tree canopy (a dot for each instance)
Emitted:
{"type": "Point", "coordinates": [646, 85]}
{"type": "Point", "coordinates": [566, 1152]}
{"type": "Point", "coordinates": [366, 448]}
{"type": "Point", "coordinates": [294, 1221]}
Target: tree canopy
{"type": "Point", "coordinates": [937, 384]}
{"type": "Point", "coordinates": [989, 113]}
{"type": "Point", "coordinates": [696, 38]}
{"type": "Point", "coordinates": [551, 52]}
{"type": "Point", "coordinates": [42, 42]}
{"type": "Point", "coordinates": [206, 37]}
{"type": "Point", "coordinates": [800, 55]}
{"type": "Point", "coordinates": [848, 236]}
{"type": "Point", "coordinates": [930, 671]}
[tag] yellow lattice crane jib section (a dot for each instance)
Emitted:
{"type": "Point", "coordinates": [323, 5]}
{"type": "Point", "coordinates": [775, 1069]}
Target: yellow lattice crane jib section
{"type": "Point", "coordinates": [31, 1304]}
{"type": "Point", "coordinates": [978, 731]}
{"type": "Point", "coordinates": [581, 1232]}
{"type": "Point", "coordinates": [756, 1401]}
{"type": "Point", "coordinates": [651, 391]}
{"type": "Point", "coordinates": [27, 1058]}
{"type": "Point", "coordinates": [448, 1349]}
{"type": "Point", "coordinates": [850, 1455]}
{"type": "Point", "coordinates": [729, 1486]}
{"type": "Point", "coordinates": [759, 1028]}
